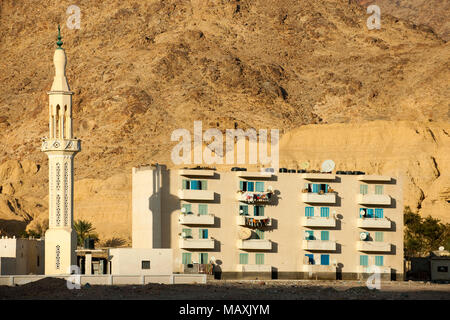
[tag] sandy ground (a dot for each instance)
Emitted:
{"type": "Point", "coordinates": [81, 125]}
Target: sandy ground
{"type": "Point", "coordinates": [51, 288]}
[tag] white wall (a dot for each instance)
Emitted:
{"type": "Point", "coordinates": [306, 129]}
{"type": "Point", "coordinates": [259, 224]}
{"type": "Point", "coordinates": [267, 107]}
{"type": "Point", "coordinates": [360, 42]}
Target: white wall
{"type": "Point", "coordinates": [128, 261]}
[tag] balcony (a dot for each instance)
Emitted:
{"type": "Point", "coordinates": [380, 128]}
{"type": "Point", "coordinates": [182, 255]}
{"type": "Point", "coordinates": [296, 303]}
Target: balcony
{"type": "Point", "coordinates": [196, 219]}
{"type": "Point", "coordinates": [374, 199]}
{"type": "Point", "coordinates": [318, 222]}
{"type": "Point", "coordinates": [254, 221]}
{"type": "Point", "coordinates": [318, 176]}
{"type": "Point", "coordinates": [374, 223]}
{"type": "Point", "coordinates": [373, 246]}
{"type": "Point", "coordinates": [374, 178]}
{"type": "Point", "coordinates": [310, 197]}
{"type": "Point", "coordinates": [256, 174]}
{"type": "Point", "coordinates": [205, 195]}
{"type": "Point", "coordinates": [253, 268]}
{"type": "Point", "coordinates": [318, 268]}
{"type": "Point", "coordinates": [254, 197]}
{"type": "Point", "coordinates": [319, 245]}
{"type": "Point", "coordinates": [196, 243]}
{"type": "Point", "coordinates": [196, 173]}
{"type": "Point", "coordinates": [255, 244]}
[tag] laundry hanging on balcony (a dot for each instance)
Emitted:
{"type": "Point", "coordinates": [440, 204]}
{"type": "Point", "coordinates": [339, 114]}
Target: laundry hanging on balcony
{"type": "Point", "coordinates": [252, 222]}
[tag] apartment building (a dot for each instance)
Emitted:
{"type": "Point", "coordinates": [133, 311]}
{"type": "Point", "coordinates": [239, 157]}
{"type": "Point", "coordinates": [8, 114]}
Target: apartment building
{"type": "Point", "coordinates": [259, 225]}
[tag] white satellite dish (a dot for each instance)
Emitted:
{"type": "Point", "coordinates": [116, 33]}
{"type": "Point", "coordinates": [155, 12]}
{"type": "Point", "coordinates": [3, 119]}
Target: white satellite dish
{"type": "Point", "coordinates": [183, 234]}
{"type": "Point", "coordinates": [363, 236]}
{"type": "Point", "coordinates": [328, 166]}
{"type": "Point", "coordinates": [213, 259]}
{"type": "Point", "coordinates": [244, 233]}
{"type": "Point", "coordinates": [241, 211]}
{"type": "Point", "coordinates": [441, 248]}
{"type": "Point", "coordinates": [270, 188]}
{"type": "Point", "coordinates": [183, 210]}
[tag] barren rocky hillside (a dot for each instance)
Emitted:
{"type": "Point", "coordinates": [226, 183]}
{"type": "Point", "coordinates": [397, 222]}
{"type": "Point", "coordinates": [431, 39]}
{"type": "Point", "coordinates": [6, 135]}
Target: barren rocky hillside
{"type": "Point", "coordinates": [142, 69]}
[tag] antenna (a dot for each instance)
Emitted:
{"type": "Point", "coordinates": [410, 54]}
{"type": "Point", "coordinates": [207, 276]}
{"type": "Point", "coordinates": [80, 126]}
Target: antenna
{"type": "Point", "coordinates": [328, 166]}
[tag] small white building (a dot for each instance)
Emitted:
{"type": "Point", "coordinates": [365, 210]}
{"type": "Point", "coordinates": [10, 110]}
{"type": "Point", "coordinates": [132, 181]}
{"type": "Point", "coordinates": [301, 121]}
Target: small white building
{"type": "Point", "coordinates": [21, 256]}
{"type": "Point", "coordinates": [132, 261]}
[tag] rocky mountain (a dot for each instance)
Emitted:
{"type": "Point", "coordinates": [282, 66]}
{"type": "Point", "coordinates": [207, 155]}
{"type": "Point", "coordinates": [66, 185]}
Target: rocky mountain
{"type": "Point", "coordinates": [139, 70]}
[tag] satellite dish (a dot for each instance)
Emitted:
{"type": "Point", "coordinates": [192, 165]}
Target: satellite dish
{"type": "Point", "coordinates": [183, 210]}
{"type": "Point", "coordinates": [304, 165]}
{"type": "Point", "coordinates": [328, 166]}
{"type": "Point", "coordinates": [244, 233]}
{"type": "Point", "coordinates": [213, 259]}
{"type": "Point", "coordinates": [241, 211]}
{"type": "Point", "coordinates": [270, 188]}
{"type": "Point", "coordinates": [183, 234]}
{"type": "Point", "coordinates": [363, 236]}
{"type": "Point", "coordinates": [441, 248]}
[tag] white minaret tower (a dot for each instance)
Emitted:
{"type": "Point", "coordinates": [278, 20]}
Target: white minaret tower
{"type": "Point", "coordinates": [61, 147]}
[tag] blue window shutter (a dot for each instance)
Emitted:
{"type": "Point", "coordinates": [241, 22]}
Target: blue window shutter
{"type": "Point", "coordinates": [379, 213]}
{"type": "Point", "coordinates": [244, 208]}
{"type": "Point", "coordinates": [188, 208]}
{"type": "Point", "coordinates": [325, 259]}
{"type": "Point", "coordinates": [250, 186]}
{"type": "Point", "coordinates": [203, 185]}
{"type": "Point", "coordinates": [364, 260]}
{"type": "Point", "coordinates": [310, 258]}
{"type": "Point", "coordinates": [326, 188]}
{"type": "Point", "coordinates": [241, 185]}
{"type": "Point", "coordinates": [309, 211]}
{"type": "Point", "coordinates": [370, 213]}
{"type": "Point", "coordinates": [309, 235]}
{"type": "Point", "coordinates": [325, 235]}
{"type": "Point", "coordinates": [243, 258]}
{"type": "Point", "coordinates": [259, 186]}
{"type": "Point", "coordinates": [379, 261]}
{"type": "Point", "coordinates": [325, 212]}
{"type": "Point", "coordinates": [315, 188]}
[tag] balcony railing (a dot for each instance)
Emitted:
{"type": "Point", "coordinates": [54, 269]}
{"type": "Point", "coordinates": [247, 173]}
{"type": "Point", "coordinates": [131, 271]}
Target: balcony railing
{"type": "Point", "coordinates": [318, 176]}
{"type": "Point", "coordinates": [310, 197]}
{"type": "Point", "coordinates": [206, 195]}
{"type": "Point", "coordinates": [188, 243]}
{"type": "Point", "coordinates": [254, 221]}
{"type": "Point", "coordinates": [374, 199]}
{"type": "Point", "coordinates": [318, 268]}
{"type": "Point", "coordinates": [196, 172]}
{"type": "Point", "coordinates": [199, 219]}
{"type": "Point", "coordinates": [319, 245]}
{"type": "Point", "coordinates": [255, 174]}
{"type": "Point", "coordinates": [325, 222]}
{"type": "Point", "coordinates": [373, 246]}
{"type": "Point", "coordinates": [254, 268]}
{"type": "Point", "coordinates": [254, 197]}
{"type": "Point", "coordinates": [375, 223]}
{"type": "Point", "coordinates": [255, 244]}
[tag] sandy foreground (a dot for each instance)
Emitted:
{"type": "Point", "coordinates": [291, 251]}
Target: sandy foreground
{"type": "Point", "coordinates": [51, 288]}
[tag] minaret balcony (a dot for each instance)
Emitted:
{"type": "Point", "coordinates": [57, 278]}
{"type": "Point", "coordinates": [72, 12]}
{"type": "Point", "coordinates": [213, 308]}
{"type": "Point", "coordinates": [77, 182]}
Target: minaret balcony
{"type": "Point", "coordinates": [70, 145]}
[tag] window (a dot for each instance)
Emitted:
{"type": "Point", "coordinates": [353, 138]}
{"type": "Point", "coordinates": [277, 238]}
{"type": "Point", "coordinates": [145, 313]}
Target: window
{"type": "Point", "coordinates": [259, 257]}
{"type": "Point", "coordinates": [258, 211]}
{"type": "Point", "coordinates": [325, 212]}
{"type": "Point", "coordinates": [369, 213]}
{"type": "Point", "coordinates": [325, 259]}
{"type": "Point", "coordinates": [195, 184]}
{"type": "Point", "coordinates": [187, 207]}
{"type": "Point", "coordinates": [379, 236]}
{"type": "Point", "coordinates": [309, 211]}
{"type": "Point", "coordinates": [203, 209]}
{"type": "Point", "coordinates": [309, 258]}
{"type": "Point", "coordinates": [243, 210]}
{"type": "Point", "coordinates": [203, 258]}
{"type": "Point", "coordinates": [187, 233]}
{"type": "Point", "coordinates": [315, 188]}
{"type": "Point", "coordinates": [379, 261]}
{"type": "Point", "coordinates": [243, 258]}
{"type": "Point", "coordinates": [259, 234]}
{"type": "Point", "coordinates": [324, 235]}
{"type": "Point", "coordinates": [364, 260]}
{"type": "Point", "coordinates": [186, 258]}
{"type": "Point", "coordinates": [145, 264]}
{"type": "Point", "coordinates": [379, 213]}
{"type": "Point", "coordinates": [309, 235]}
{"type": "Point", "coordinates": [378, 189]}
{"type": "Point", "coordinates": [363, 188]}
{"type": "Point", "coordinates": [247, 185]}
{"type": "Point", "coordinates": [259, 186]}
{"type": "Point", "coordinates": [203, 233]}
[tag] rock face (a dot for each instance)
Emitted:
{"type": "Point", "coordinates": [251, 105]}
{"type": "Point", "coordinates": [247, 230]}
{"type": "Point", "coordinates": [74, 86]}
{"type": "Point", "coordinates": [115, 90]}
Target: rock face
{"type": "Point", "coordinates": [140, 70]}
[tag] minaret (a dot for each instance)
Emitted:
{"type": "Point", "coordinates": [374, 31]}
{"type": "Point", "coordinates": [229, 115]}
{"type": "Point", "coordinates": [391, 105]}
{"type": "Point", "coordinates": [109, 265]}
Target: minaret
{"type": "Point", "coordinates": [61, 147]}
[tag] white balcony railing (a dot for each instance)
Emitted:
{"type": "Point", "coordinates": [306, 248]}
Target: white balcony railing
{"type": "Point", "coordinates": [196, 195]}
{"type": "Point", "coordinates": [319, 245]}
{"type": "Point", "coordinates": [254, 221]}
{"type": "Point", "coordinates": [254, 268]}
{"type": "Point", "coordinates": [373, 246]}
{"type": "Point", "coordinates": [374, 199]}
{"type": "Point", "coordinates": [200, 219]}
{"type": "Point", "coordinates": [196, 243]}
{"type": "Point", "coordinates": [318, 176]}
{"type": "Point", "coordinates": [254, 197]}
{"type": "Point", "coordinates": [325, 222]}
{"type": "Point", "coordinates": [310, 197]}
{"type": "Point", "coordinates": [255, 244]}
{"type": "Point", "coordinates": [375, 223]}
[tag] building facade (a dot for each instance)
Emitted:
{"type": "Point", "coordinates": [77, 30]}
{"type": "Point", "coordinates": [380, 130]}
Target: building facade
{"type": "Point", "coordinates": [271, 225]}
{"type": "Point", "coordinates": [60, 147]}
{"type": "Point", "coordinates": [21, 256]}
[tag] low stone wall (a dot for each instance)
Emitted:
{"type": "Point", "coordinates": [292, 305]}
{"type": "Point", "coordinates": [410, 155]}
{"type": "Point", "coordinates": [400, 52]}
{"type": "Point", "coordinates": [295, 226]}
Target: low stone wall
{"type": "Point", "coordinates": [111, 279]}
